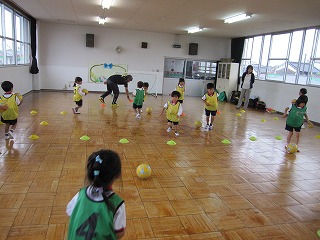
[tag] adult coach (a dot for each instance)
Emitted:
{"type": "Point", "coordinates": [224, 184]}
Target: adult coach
{"type": "Point", "coordinates": [247, 81]}
{"type": "Point", "coordinates": [112, 86]}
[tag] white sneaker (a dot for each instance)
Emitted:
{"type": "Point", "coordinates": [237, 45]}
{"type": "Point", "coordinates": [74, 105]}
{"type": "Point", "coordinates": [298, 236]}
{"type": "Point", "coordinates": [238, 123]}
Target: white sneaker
{"type": "Point", "coordinates": [207, 126]}
{"type": "Point", "coordinates": [138, 115]}
{"type": "Point", "coordinates": [177, 134]}
{"type": "Point", "coordinates": [210, 127]}
{"type": "Point", "coordinates": [169, 129]}
{"type": "Point", "coordinates": [11, 136]}
{"type": "Point", "coordinates": [6, 136]}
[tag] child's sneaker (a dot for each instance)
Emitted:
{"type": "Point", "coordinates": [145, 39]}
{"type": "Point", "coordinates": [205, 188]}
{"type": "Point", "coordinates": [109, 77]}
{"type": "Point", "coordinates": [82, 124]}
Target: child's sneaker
{"type": "Point", "coordinates": [207, 126]}
{"type": "Point", "coordinates": [114, 105]}
{"type": "Point", "coordinates": [169, 129]}
{"type": "Point", "coordinates": [210, 127]}
{"type": "Point", "coordinates": [176, 133]}
{"type": "Point", "coordinates": [101, 100]}
{"type": "Point", "coordinates": [6, 136]}
{"type": "Point", "coordinates": [138, 115]}
{"type": "Point", "coordinates": [11, 135]}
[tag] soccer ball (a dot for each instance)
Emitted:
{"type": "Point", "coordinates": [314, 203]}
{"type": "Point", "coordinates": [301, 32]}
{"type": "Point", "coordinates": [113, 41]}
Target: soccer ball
{"type": "Point", "coordinates": [143, 171]}
{"type": "Point", "coordinates": [85, 91]}
{"type": "Point", "coordinates": [292, 148]}
{"type": "Point", "coordinates": [197, 124]}
{"type": "Point", "coordinates": [149, 110]}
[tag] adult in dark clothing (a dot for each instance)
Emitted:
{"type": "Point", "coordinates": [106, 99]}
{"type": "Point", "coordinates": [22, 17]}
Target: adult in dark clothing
{"type": "Point", "coordinates": [112, 86]}
{"type": "Point", "coordinates": [247, 81]}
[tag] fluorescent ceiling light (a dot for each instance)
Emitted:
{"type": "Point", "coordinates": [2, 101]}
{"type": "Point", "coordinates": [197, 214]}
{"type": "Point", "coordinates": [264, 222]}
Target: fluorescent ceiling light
{"type": "Point", "coordinates": [193, 30]}
{"type": "Point", "coordinates": [106, 3]}
{"type": "Point", "coordinates": [102, 20]}
{"type": "Point", "coordinates": [237, 18]}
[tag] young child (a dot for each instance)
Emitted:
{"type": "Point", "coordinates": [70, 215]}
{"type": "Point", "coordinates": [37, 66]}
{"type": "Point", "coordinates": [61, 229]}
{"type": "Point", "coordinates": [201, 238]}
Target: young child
{"type": "Point", "coordinates": [10, 101]}
{"type": "Point", "coordinates": [96, 212]}
{"type": "Point", "coordinates": [295, 119]}
{"type": "Point", "coordinates": [181, 88]}
{"type": "Point", "coordinates": [77, 94]}
{"type": "Point", "coordinates": [210, 100]}
{"type": "Point", "coordinates": [138, 95]}
{"type": "Point", "coordinates": [173, 112]}
{"type": "Point", "coordinates": [145, 88]}
{"type": "Point", "coordinates": [302, 91]}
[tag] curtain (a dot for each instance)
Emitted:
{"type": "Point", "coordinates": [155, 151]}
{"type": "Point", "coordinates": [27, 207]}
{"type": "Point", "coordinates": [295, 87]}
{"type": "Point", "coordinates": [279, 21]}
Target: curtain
{"type": "Point", "coordinates": [33, 29]}
{"type": "Point", "coordinates": [237, 45]}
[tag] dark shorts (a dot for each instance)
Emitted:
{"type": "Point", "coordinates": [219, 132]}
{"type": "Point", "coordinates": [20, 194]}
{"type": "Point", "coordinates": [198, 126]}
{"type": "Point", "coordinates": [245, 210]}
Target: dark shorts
{"type": "Point", "coordinates": [135, 106]}
{"type": "Point", "coordinates": [290, 129]}
{"type": "Point", "coordinates": [10, 122]}
{"type": "Point", "coordinates": [79, 103]}
{"type": "Point", "coordinates": [180, 101]}
{"type": "Point", "coordinates": [174, 123]}
{"type": "Point", "coordinates": [208, 112]}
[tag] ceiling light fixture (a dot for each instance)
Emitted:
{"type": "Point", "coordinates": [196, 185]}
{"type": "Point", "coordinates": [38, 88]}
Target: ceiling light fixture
{"type": "Point", "coordinates": [102, 20]}
{"type": "Point", "coordinates": [194, 30]}
{"type": "Point", "coordinates": [237, 18]}
{"type": "Point", "coordinates": [106, 3]}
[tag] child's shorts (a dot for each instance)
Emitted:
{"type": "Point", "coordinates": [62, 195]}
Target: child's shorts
{"type": "Point", "coordinates": [290, 129]}
{"type": "Point", "coordinates": [135, 106]}
{"type": "Point", "coordinates": [174, 123]}
{"type": "Point", "coordinates": [10, 122]}
{"type": "Point", "coordinates": [208, 112]}
{"type": "Point", "coordinates": [79, 103]}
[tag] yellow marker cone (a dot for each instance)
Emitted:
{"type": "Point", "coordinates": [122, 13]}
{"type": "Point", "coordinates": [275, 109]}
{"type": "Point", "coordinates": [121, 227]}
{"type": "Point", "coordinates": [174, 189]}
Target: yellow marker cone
{"type": "Point", "coordinates": [252, 138]}
{"type": "Point", "coordinates": [226, 141]}
{"type": "Point", "coordinates": [33, 137]}
{"type": "Point", "coordinates": [63, 113]}
{"type": "Point", "coordinates": [278, 137]}
{"type": "Point", "coordinates": [44, 123]}
{"type": "Point", "coordinates": [123, 140]}
{"type": "Point", "coordinates": [238, 114]}
{"type": "Point", "coordinates": [171, 142]}
{"type": "Point", "coordinates": [243, 111]}
{"type": "Point", "coordinates": [85, 138]}
{"type": "Point", "coordinates": [33, 112]}
{"type": "Point", "coordinates": [263, 120]}
{"type": "Point", "coordinates": [275, 118]}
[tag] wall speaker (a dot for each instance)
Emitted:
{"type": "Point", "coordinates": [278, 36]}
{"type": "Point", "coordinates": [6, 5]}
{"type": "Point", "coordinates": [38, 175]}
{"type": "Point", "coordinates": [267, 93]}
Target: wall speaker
{"type": "Point", "coordinates": [193, 48]}
{"type": "Point", "coordinates": [89, 40]}
{"type": "Point", "coordinates": [144, 45]}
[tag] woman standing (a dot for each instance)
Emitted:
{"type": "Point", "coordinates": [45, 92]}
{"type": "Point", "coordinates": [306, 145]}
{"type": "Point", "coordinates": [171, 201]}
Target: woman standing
{"type": "Point", "coordinates": [247, 81]}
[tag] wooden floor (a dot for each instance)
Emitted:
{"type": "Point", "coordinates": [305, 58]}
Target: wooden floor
{"type": "Point", "coordinates": [199, 189]}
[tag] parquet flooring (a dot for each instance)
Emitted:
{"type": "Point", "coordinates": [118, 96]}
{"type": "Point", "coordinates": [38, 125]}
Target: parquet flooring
{"type": "Point", "coordinates": [199, 188]}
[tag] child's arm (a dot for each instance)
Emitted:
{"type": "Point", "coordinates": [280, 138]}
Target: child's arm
{"type": "Point", "coordinates": [285, 113]}
{"type": "Point", "coordinates": [204, 100]}
{"type": "Point", "coordinates": [180, 111]}
{"type": "Point", "coordinates": [310, 124]}
{"type": "Point", "coordinates": [164, 108]}
{"type": "Point", "coordinates": [3, 107]}
{"type": "Point", "coordinates": [80, 92]}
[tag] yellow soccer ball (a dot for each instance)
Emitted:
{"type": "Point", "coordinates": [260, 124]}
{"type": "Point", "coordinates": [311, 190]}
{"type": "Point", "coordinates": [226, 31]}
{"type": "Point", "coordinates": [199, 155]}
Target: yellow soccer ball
{"type": "Point", "coordinates": [197, 124]}
{"type": "Point", "coordinates": [292, 148]}
{"type": "Point", "coordinates": [19, 96]}
{"type": "Point", "coordinates": [143, 171]}
{"type": "Point", "coordinates": [149, 110]}
{"type": "Point", "coordinates": [85, 91]}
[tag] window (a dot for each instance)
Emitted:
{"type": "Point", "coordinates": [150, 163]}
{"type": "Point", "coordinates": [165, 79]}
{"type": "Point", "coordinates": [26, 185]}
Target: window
{"type": "Point", "coordinates": [292, 57]}
{"type": "Point", "coordinates": [15, 41]}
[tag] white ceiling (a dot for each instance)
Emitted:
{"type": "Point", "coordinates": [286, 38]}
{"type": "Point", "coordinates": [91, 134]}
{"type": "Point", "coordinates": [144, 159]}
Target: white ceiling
{"type": "Point", "coordinates": [176, 16]}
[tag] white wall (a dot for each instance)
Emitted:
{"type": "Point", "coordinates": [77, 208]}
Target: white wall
{"type": "Point", "coordinates": [63, 54]}
{"type": "Point", "coordinates": [279, 95]}
{"type": "Point", "coordinates": [19, 76]}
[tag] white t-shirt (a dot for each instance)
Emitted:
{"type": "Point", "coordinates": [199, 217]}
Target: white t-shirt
{"type": "Point", "coordinates": [246, 81]}
{"type": "Point", "coordinates": [119, 221]}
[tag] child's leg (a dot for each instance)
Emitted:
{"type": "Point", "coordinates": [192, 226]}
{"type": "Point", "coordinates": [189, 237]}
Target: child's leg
{"type": "Point", "coordinates": [6, 128]}
{"type": "Point", "coordinates": [298, 137]}
{"type": "Point", "coordinates": [289, 137]}
{"type": "Point", "coordinates": [77, 108]}
{"type": "Point", "coordinates": [208, 119]}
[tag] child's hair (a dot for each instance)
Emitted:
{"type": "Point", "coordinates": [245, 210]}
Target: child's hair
{"type": "Point", "coordinates": [7, 86]}
{"type": "Point", "coordinates": [175, 94]}
{"type": "Point", "coordinates": [181, 80]}
{"type": "Point", "coordinates": [77, 80]}
{"type": "Point", "coordinates": [145, 84]}
{"type": "Point", "coordinates": [140, 84]}
{"type": "Point", "coordinates": [210, 86]}
{"type": "Point", "coordinates": [303, 91]}
{"type": "Point", "coordinates": [103, 168]}
{"type": "Point", "coordinates": [301, 99]}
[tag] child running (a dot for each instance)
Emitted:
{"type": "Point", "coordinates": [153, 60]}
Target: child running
{"type": "Point", "coordinates": [77, 94]}
{"type": "Point", "coordinates": [138, 95]}
{"type": "Point", "coordinates": [295, 117]}
{"type": "Point", "coordinates": [10, 104]}
{"type": "Point", "coordinates": [173, 112]}
{"type": "Point", "coordinates": [96, 212]}
{"type": "Point", "coordinates": [210, 100]}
